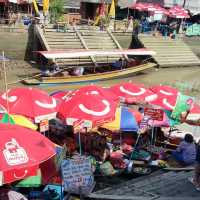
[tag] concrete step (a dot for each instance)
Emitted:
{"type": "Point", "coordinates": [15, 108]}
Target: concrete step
{"type": "Point", "coordinates": [177, 57]}
{"type": "Point", "coordinates": [62, 39]}
{"type": "Point", "coordinates": [65, 47]}
{"type": "Point", "coordinates": [170, 52]}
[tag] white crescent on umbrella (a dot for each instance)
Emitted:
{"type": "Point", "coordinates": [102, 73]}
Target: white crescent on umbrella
{"type": "Point", "coordinates": [20, 177]}
{"type": "Point", "coordinates": [166, 93]}
{"type": "Point", "coordinates": [165, 102]}
{"type": "Point", "coordinates": [92, 92]}
{"type": "Point", "coordinates": [47, 105]}
{"type": "Point", "coordinates": [84, 109]}
{"type": "Point", "coordinates": [141, 92]}
{"type": "Point", "coordinates": [11, 99]}
{"type": "Point", "coordinates": [151, 97]}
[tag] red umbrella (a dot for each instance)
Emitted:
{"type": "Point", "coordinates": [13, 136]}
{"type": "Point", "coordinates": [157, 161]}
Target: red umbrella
{"type": "Point", "coordinates": [87, 110]}
{"type": "Point", "coordinates": [22, 150]}
{"type": "Point", "coordinates": [164, 90]}
{"type": "Point", "coordinates": [96, 90]}
{"type": "Point", "coordinates": [149, 7]}
{"type": "Point", "coordinates": [165, 96]}
{"type": "Point", "coordinates": [60, 95]}
{"type": "Point", "coordinates": [132, 93]}
{"type": "Point", "coordinates": [138, 6]}
{"type": "Point", "coordinates": [178, 12]}
{"type": "Point", "coordinates": [30, 102]}
{"type": "Point", "coordinates": [165, 102]}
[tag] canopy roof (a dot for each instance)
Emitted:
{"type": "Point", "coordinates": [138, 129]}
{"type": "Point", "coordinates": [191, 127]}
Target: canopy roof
{"type": "Point", "coordinates": [192, 5]}
{"type": "Point", "coordinates": [83, 53]}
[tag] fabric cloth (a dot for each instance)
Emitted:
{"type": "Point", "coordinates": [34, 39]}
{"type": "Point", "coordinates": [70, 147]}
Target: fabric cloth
{"type": "Point", "coordinates": [78, 71]}
{"type": "Point", "coordinates": [178, 156]}
{"type": "Point", "coordinates": [196, 178]}
{"type": "Point", "coordinates": [198, 154]}
{"type": "Point", "coordinates": [188, 152]}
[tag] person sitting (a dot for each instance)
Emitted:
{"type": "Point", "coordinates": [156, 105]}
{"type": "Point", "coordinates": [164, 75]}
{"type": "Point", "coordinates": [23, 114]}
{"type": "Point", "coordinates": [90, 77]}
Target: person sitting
{"type": "Point", "coordinates": [186, 151]}
{"type": "Point", "coordinates": [51, 69]}
{"type": "Point", "coordinates": [118, 64]}
{"type": "Point", "coordinates": [78, 71]}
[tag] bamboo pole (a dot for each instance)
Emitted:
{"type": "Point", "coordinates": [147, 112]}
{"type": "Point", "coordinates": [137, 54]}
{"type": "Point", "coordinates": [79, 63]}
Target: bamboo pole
{"type": "Point", "coordinates": [5, 82]}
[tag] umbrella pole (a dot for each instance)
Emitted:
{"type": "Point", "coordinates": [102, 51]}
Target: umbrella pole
{"type": "Point", "coordinates": [5, 82]}
{"type": "Point", "coordinates": [152, 137]}
{"type": "Point", "coordinates": [79, 141]}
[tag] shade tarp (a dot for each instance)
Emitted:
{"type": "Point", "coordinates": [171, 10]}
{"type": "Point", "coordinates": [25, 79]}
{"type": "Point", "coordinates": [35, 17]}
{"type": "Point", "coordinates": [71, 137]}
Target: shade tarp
{"type": "Point", "coordinates": [124, 121]}
{"type": "Point", "coordinates": [84, 53]}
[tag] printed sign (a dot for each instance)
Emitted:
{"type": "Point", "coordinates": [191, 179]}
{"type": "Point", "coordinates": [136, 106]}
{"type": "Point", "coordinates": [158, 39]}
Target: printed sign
{"type": "Point", "coordinates": [14, 154]}
{"type": "Point", "coordinates": [155, 114]}
{"type": "Point", "coordinates": [77, 175]}
{"type": "Point", "coordinates": [183, 104]}
{"type": "Point", "coordinates": [44, 125]}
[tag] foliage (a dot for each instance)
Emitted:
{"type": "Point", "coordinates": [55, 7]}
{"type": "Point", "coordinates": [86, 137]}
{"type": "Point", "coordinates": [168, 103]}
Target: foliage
{"type": "Point", "coordinates": [104, 20]}
{"type": "Point", "coordinates": [56, 9]}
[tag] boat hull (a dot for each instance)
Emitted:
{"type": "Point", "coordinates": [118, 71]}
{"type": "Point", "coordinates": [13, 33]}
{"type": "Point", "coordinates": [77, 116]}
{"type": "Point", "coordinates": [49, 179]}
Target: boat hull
{"type": "Point", "coordinates": [89, 78]}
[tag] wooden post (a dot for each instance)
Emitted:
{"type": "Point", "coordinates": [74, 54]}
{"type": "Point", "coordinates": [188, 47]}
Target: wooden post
{"type": "Point", "coordinates": [117, 43]}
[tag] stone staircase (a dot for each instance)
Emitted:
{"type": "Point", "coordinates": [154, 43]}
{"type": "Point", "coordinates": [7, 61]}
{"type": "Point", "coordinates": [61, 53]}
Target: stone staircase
{"type": "Point", "coordinates": [82, 37]}
{"type": "Point", "coordinates": [169, 52]}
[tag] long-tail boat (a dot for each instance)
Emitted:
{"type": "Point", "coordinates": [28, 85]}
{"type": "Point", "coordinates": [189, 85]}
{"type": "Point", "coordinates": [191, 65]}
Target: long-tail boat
{"type": "Point", "coordinates": [101, 73]}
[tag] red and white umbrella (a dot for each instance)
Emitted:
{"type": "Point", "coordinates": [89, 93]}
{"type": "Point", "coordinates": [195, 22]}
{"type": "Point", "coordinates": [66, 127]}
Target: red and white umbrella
{"type": "Point", "coordinates": [87, 110]}
{"type": "Point", "coordinates": [165, 96]}
{"type": "Point", "coordinates": [29, 102]}
{"type": "Point", "coordinates": [138, 6]}
{"type": "Point", "coordinates": [178, 12]}
{"type": "Point", "coordinates": [97, 90]}
{"type": "Point", "coordinates": [22, 150]}
{"type": "Point", "coordinates": [61, 95]}
{"type": "Point", "coordinates": [132, 93]}
{"type": "Point", "coordinates": [151, 7]}
{"type": "Point", "coordinates": [164, 90]}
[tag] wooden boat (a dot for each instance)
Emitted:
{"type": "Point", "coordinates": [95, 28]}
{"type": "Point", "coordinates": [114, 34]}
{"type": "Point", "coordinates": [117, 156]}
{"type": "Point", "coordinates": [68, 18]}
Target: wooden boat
{"type": "Point", "coordinates": [89, 77]}
{"type": "Point", "coordinates": [93, 77]}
